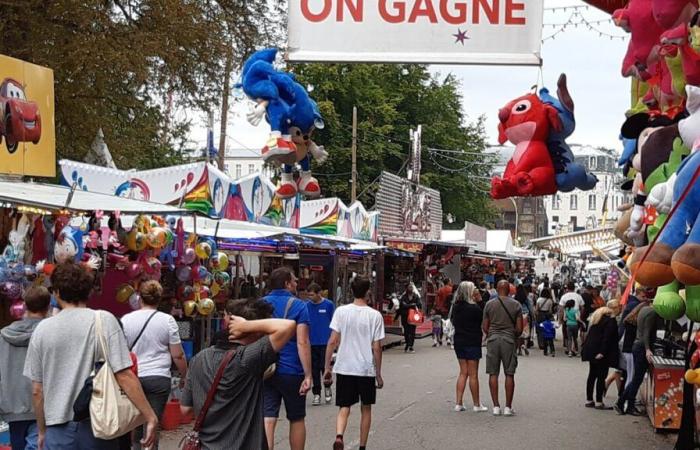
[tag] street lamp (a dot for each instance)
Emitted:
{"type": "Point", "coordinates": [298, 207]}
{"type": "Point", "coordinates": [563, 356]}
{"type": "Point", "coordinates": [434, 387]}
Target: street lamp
{"type": "Point", "coordinates": [515, 207]}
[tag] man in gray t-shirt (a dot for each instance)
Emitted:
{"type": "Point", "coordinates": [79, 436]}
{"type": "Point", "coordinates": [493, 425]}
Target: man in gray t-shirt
{"type": "Point", "coordinates": [502, 325]}
{"type": "Point", "coordinates": [62, 353]}
{"type": "Point", "coordinates": [235, 418]}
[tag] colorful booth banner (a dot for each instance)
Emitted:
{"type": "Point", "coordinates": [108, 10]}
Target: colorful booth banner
{"type": "Point", "coordinates": [197, 187]}
{"type": "Point", "coordinates": [330, 216]}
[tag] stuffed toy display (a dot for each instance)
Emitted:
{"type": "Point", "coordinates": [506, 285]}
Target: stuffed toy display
{"type": "Point", "coordinates": [527, 122]}
{"type": "Point", "coordinates": [671, 13]}
{"type": "Point", "coordinates": [570, 174]}
{"type": "Point", "coordinates": [293, 116]}
{"type": "Point", "coordinates": [675, 255]}
{"type": "Point", "coordinates": [637, 19]}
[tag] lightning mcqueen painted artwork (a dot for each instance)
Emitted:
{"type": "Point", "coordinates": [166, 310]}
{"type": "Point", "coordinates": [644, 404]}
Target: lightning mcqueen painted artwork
{"type": "Point", "coordinates": [19, 118]}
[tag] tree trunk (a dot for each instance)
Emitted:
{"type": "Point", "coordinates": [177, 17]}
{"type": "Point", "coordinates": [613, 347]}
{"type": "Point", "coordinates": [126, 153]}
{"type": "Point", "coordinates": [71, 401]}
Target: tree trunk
{"type": "Point", "coordinates": [224, 110]}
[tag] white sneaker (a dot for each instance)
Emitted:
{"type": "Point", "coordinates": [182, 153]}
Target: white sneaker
{"type": "Point", "coordinates": [496, 410]}
{"type": "Point", "coordinates": [317, 400]}
{"type": "Point", "coordinates": [460, 408]}
{"type": "Point", "coordinates": [508, 411]}
{"type": "Point", "coordinates": [329, 394]}
{"type": "Point", "coordinates": [480, 408]}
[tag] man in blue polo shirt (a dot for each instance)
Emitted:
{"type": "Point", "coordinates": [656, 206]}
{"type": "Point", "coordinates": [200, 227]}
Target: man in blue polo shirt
{"type": "Point", "coordinates": [320, 315]}
{"type": "Point", "coordinates": [292, 378]}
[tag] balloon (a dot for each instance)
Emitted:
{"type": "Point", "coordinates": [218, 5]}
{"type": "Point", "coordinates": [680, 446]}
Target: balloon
{"type": "Point", "coordinates": [136, 241]}
{"type": "Point", "coordinates": [4, 274]}
{"type": "Point", "coordinates": [157, 238]}
{"type": "Point", "coordinates": [207, 279]}
{"type": "Point", "coordinates": [189, 256]}
{"type": "Point", "coordinates": [153, 265]}
{"type": "Point", "coordinates": [220, 262]}
{"type": "Point", "coordinates": [215, 289]}
{"type": "Point", "coordinates": [205, 292]}
{"type": "Point", "coordinates": [133, 270]}
{"type": "Point", "coordinates": [17, 309]}
{"type": "Point", "coordinates": [222, 278]}
{"type": "Point", "coordinates": [206, 306]}
{"type": "Point", "coordinates": [203, 250]}
{"type": "Point", "coordinates": [183, 273]}
{"type": "Point", "coordinates": [124, 293]}
{"type": "Point", "coordinates": [135, 300]}
{"type": "Point", "coordinates": [69, 244]}
{"type": "Point", "coordinates": [30, 272]}
{"type": "Point", "coordinates": [11, 290]}
{"type": "Point", "coordinates": [189, 307]}
{"type": "Point", "coordinates": [17, 271]}
{"type": "Point", "coordinates": [3, 263]}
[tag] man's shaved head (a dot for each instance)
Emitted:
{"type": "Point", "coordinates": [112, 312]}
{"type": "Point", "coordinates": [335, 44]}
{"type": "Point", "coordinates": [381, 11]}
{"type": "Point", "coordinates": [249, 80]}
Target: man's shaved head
{"type": "Point", "coordinates": [503, 288]}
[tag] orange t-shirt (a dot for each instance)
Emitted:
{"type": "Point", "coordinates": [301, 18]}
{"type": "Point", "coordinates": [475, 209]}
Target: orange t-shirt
{"type": "Point", "coordinates": [443, 295]}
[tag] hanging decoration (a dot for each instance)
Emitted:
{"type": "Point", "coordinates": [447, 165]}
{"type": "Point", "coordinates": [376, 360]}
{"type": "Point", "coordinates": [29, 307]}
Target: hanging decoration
{"type": "Point", "coordinates": [293, 116]}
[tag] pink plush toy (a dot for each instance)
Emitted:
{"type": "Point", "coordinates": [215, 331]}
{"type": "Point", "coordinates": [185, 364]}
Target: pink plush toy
{"type": "Point", "coordinates": [642, 53]}
{"type": "Point", "coordinates": [671, 13]}
{"type": "Point", "coordinates": [676, 41]}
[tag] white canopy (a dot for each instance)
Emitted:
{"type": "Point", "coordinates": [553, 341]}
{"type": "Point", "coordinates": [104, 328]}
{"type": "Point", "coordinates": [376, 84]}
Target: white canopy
{"type": "Point", "coordinates": [233, 229]}
{"type": "Point", "coordinates": [55, 197]}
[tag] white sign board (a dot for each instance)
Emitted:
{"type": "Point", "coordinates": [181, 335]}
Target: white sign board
{"type": "Point", "coordinates": [505, 32]}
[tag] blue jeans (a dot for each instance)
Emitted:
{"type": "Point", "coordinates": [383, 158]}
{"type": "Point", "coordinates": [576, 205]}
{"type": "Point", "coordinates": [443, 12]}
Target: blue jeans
{"type": "Point", "coordinates": [641, 365]}
{"type": "Point", "coordinates": [24, 435]}
{"type": "Point", "coordinates": [76, 436]}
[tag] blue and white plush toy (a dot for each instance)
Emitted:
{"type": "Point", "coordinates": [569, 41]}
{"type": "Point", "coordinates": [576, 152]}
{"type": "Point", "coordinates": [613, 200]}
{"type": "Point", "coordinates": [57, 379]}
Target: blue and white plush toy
{"type": "Point", "coordinates": [570, 175]}
{"type": "Point", "coordinates": [292, 115]}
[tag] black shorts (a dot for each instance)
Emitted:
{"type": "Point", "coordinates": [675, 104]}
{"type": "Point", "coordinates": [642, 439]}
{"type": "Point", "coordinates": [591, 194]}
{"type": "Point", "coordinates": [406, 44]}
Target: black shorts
{"type": "Point", "coordinates": [350, 389]}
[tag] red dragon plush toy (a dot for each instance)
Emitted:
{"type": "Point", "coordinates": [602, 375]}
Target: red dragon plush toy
{"type": "Point", "coordinates": [526, 122]}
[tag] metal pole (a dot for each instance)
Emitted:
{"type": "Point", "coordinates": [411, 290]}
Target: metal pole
{"type": "Point", "coordinates": [353, 195]}
{"type": "Point", "coordinates": [515, 207]}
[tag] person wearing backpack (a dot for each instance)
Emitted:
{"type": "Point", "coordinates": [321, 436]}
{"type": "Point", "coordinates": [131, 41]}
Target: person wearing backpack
{"type": "Point", "coordinates": [230, 411]}
{"type": "Point", "coordinates": [61, 356]}
{"type": "Point", "coordinates": [502, 324]}
{"type": "Point", "coordinates": [155, 339]}
{"type": "Point", "coordinates": [293, 379]}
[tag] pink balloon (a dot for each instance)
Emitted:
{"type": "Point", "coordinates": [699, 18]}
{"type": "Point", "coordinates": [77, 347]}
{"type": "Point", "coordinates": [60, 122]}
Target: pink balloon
{"type": "Point", "coordinates": [189, 256]}
{"type": "Point", "coordinates": [133, 270]}
{"type": "Point", "coordinates": [17, 310]}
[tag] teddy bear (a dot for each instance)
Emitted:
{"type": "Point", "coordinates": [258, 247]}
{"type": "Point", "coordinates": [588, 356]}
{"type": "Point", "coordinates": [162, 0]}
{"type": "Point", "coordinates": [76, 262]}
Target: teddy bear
{"type": "Point", "coordinates": [527, 122]}
{"type": "Point", "coordinates": [293, 116]}
{"type": "Point", "coordinates": [570, 174]}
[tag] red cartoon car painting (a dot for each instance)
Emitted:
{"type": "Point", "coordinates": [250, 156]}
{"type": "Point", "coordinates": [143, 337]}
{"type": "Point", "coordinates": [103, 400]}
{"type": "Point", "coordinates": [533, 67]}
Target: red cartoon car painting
{"type": "Point", "coordinates": [19, 118]}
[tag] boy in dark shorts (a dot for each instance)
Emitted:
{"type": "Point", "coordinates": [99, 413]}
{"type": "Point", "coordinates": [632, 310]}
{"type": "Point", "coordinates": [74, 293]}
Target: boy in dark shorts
{"type": "Point", "coordinates": [358, 366]}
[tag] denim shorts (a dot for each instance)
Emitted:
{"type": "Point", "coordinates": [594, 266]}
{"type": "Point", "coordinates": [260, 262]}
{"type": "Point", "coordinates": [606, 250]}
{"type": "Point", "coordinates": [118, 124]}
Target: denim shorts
{"type": "Point", "coordinates": [470, 353]}
{"type": "Point", "coordinates": [284, 387]}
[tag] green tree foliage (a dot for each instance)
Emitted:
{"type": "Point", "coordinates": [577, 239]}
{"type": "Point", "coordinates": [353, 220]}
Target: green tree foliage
{"type": "Point", "coordinates": [139, 69]}
{"type": "Point", "coordinates": [391, 99]}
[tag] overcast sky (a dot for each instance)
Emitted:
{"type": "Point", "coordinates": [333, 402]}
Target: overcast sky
{"type": "Point", "coordinates": [592, 63]}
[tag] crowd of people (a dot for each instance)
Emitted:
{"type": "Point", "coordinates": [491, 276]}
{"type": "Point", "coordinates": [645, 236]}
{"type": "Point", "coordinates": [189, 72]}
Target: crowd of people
{"type": "Point", "coordinates": [276, 349]}
{"type": "Point", "coordinates": [272, 350]}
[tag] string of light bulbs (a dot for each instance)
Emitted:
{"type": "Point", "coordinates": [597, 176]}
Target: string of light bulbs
{"type": "Point", "coordinates": [576, 19]}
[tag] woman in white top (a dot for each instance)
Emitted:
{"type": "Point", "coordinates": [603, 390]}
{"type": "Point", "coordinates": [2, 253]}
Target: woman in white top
{"type": "Point", "coordinates": [155, 338]}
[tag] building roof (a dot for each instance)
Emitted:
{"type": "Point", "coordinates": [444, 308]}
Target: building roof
{"type": "Point", "coordinates": [243, 153]}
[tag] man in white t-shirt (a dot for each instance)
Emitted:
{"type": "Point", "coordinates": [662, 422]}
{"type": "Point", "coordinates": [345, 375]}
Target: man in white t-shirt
{"type": "Point", "coordinates": [359, 329]}
{"type": "Point", "coordinates": [570, 294]}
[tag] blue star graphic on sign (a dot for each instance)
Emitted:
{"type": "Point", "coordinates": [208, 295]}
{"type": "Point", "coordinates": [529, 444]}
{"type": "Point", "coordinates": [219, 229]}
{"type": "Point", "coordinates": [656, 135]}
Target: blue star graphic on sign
{"type": "Point", "coordinates": [460, 36]}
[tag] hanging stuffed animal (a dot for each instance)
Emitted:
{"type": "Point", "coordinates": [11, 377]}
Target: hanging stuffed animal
{"type": "Point", "coordinates": [669, 14]}
{"type": "Point", "coordinates": [292, 116]}
{"type": "Point", "coordinates": [570, 174]}
{"type": "Point", "coordinates": [527, 123]}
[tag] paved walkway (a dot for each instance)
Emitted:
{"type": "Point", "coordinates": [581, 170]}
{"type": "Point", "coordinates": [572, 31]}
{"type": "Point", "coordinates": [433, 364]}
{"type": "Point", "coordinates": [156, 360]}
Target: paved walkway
{"type": "Point", "coordinates": [414, 411]}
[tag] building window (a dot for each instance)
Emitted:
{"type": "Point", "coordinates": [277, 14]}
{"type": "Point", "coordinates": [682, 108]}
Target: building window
{"type": "Point", "coordinates": [225, 167]}
{"type": "Point", "coordinates": [555, 219]}
{"type": "Point", "coordinates": [238, 170]}
{"type": "Point", "coordinates": [573, 202]}
{"type": "Point", "coordinates": [592, 163]}
{"type": "Point", "coordinates": [251, 168]}
{"type": "Point", "coordinates": [572, 221]}
{"type": "Point", "coordinates": [591, 202]}
{"type": "Point", "coordinates": [556, 201]}
{"type": "Point", "coordinates": [527, 206]}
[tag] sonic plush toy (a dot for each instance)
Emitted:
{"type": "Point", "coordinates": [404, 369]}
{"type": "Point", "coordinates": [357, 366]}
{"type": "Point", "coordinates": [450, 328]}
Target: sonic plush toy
{"type": "Point", "coordinates": [292, 116]}
{"type": "Point", "coordinates": [569, 174]}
